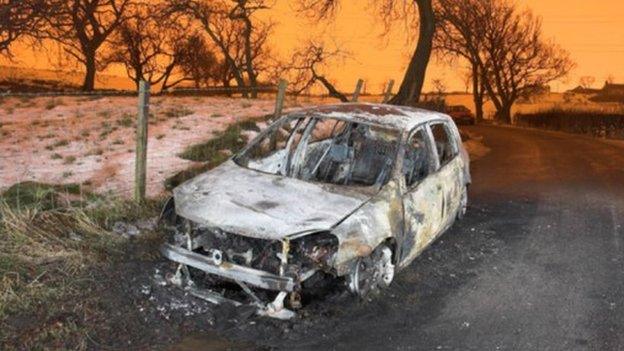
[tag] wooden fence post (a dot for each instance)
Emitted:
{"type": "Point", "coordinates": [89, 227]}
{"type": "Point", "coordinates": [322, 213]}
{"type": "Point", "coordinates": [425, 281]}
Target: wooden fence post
{"type": "Point", "coordinates": [279, 100]}
{"type": "Point", "coordinates": [141, 142]}
{"type": "Point", "coordinates": [388, 91]}
{"type": "Point", "coordinates": [356, 93]}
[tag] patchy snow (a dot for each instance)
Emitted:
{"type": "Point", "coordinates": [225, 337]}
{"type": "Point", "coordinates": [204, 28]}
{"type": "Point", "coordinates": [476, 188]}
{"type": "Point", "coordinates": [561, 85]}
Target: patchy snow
{"type": "Point", "coordinates": [92, 141]}
{"type": "Point", "coordinates": [475, 147]}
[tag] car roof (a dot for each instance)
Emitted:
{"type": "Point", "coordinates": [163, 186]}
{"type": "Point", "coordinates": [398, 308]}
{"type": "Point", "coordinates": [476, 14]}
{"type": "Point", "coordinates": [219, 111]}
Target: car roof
{"type": "Point", "coordinates": [391, 116]}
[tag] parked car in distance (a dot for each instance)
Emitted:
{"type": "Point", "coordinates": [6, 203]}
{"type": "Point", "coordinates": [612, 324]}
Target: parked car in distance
{"type": "Point", "coordinates": [461, 114]}
{"type": "Point", "coordinates": [342, 194]}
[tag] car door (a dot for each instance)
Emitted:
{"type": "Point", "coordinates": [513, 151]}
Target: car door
{"type": "Point", "coordinates": [450, 170]}
{"type": "Point", "coordinates": [423, 197]}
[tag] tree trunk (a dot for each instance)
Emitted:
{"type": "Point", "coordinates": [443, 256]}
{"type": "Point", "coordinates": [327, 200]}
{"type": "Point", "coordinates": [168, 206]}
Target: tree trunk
{"type": "Point", "coordinates": [240, 81]}
{"type": "Point", "coordinates": [333, 92]}
{"type": "Point", "coordinates": [477, 93]}
{"type": "Point", "coordinates": [89, 78]}
{"type": "Point", "coordinates": [414, 77]}
{"type": "Point", "coordinates": [227, 85]}
{"type": "Point", "coordinates": [503, 115]}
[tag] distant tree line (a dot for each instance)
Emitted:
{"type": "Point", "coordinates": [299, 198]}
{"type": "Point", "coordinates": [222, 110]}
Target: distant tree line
{"type": "Point", "coordinates": [164, 42]}
{"type": "Point", "coordinates": [504, 46]}
{"type": "Point", "coordinates": [208, 42]}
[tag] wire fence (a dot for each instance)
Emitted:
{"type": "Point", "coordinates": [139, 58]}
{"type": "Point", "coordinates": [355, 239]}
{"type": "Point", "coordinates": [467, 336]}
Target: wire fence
{"type": "Point", "coordinates": [207, 91]}
{"type": "Point", "coordinates": [76, 166]}
{"type": "Point", "coordinates": [81, 147]}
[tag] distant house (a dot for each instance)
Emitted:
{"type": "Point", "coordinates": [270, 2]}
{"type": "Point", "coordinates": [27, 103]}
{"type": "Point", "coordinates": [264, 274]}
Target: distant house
{"type": "Point", "coordinates": [613, 89]}
{"type": "Point", "coordinates": [610, 92]}
{"type": "Point", "coordinates": [580, 90]}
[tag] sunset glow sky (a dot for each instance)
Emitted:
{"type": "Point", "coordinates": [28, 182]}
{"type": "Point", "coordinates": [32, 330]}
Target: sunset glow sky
{"type": "Point", "coordinates": [592, 31]}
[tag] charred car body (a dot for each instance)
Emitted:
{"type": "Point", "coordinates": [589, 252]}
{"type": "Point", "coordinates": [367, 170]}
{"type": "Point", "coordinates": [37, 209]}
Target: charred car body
{"type": "Point", "coordinates": [350, 191]}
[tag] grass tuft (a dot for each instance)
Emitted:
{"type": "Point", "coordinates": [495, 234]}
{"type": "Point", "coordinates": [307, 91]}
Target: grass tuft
{"type": "Point", "coordinates": [178, 111]}
{"type": "Point", "coordinates": [51, 248]}
{"type": "Point", "coordinates": [230, 139]}
{"type": "Point", "coordinates": [52, 103]}
{"type": "Point", "coordinates": [212, 151]}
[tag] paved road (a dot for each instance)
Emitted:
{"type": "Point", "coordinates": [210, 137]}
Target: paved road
{"type": "Point", "coordinates": [558, 283]}
{"type": "Point", "coordinates": [538, 264]}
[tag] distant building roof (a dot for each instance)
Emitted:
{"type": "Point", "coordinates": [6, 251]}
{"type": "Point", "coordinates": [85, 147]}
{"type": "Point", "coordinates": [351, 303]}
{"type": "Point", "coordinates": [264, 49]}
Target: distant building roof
{"type": "Point", "coordinates": [580, 90]}
{"type": "Point", "coordinates": [612, 86]}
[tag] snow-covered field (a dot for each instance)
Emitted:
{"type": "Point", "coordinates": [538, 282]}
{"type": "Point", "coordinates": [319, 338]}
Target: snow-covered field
{"type": "Point", "coordinates": [92, 141]}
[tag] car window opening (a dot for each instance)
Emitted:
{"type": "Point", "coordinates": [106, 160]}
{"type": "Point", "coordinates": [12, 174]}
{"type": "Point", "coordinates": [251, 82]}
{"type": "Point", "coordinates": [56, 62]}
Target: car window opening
{"type": "Point", "coordinates": [444, 143]}
{"type": "Point", "coordinates": [326, 150]}
{"type": "Point", "coordinates": [417, 160]}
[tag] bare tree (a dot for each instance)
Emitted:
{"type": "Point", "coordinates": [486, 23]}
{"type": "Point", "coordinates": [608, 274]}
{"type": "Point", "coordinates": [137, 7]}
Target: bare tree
{"type": "Point", "coordinates": [458, 36]}
{"type": "Point", "coordinates": [19, 19]}
{"type": "Point", "coordinates": [151, 46]}
{"type": "Point", "coordinates": [240, 37]}
{"type": "Point", "coordinates": [504, 46]}
{"type": "Point", "coordinates": [305, 69]}
{"type": "Point", "coordinates": [466, 78]}
{"type": "Point", "coordinates": [82, 27]}
{"type": "Point", "coordinates": [391, 11]}
{"type": "Point", "coordinates": [520, 59]}
{"type": "Point", "coordinates": [439, 86]}
{"type": "Point", "coordinates": [243, 11]}
{"type": "Point", "coordinates": [199, 63]}
{"type": "Point", "coordinates": [586, 82]}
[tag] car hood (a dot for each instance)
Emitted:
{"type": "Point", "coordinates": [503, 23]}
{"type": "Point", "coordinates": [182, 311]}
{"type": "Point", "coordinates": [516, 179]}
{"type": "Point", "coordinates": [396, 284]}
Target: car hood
{"type": "Point", "coordinates": [255, 204]}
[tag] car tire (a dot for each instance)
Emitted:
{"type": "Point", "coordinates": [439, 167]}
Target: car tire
{"type": "Point", "coordinates": [463, 203]}
{"type": "Point", "coordinates": [372, 273]}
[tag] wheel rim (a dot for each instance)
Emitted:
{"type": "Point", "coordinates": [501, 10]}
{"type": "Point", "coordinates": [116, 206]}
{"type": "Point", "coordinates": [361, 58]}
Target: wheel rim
{"type": "Point", "coordinates": [372, 272]}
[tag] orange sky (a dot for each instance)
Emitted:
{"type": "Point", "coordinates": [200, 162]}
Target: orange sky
{"type": "Point", "coordinates": [593, 32]}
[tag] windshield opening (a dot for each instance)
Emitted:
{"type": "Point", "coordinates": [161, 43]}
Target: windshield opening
{"type": "Point", "coordinates": [327, 150]}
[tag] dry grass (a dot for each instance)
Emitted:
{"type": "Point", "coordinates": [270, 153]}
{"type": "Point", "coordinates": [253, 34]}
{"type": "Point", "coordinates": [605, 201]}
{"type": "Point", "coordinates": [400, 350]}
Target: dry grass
{"type": "Point", "coordinates": [52, 103]}
{"type": "Point", "coordinates": [51, 242]}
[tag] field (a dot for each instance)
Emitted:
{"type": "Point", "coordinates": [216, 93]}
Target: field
{"type": "Point", "coordinates": [91, 141]}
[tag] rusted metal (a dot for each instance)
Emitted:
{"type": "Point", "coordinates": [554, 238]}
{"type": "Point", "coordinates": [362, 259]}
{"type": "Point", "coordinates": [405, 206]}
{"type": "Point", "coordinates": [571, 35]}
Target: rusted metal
{"type": "Point", "coordinates": [228, 270]}
{"type": "Point", "coordinates": [270, 224]}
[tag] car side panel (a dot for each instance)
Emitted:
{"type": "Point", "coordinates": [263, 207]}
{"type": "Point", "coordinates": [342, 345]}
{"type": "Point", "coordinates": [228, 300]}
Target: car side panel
{"type": "Point", "coordinates": [423, 217]}
{"type": "Point", "coordinates": [452, 173]}
{"type": "Point", "coordinates": [376, 221]}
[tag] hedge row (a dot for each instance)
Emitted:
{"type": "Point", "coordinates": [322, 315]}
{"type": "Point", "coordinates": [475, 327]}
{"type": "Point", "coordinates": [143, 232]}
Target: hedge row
{"type": "Point", "coordinates": [597, 124]}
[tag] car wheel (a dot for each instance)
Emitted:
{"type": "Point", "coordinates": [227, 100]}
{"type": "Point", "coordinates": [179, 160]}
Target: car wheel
{"type": "Point", "coordinates": [463, 203]}
{"type": "Point", "coordinates": [372, 273]}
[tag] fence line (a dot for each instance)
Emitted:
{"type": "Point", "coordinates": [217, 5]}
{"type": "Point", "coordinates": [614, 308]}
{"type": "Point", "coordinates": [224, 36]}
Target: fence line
{"type": "Point", "coordinates": [120, 181]}
{"type": "Point", "coordinates": [208, 91]}
{"type": "Point", "coordinates": [173, 92]}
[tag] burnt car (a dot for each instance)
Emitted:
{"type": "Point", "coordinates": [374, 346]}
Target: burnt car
{"type": "Point", "coordinates": [346, 194]}
{"type": "Point", "coordinates": [461, 114]}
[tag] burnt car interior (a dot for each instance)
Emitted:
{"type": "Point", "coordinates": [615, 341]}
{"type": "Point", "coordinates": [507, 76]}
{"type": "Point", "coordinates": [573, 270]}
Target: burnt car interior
{"type": "Point", "coordinates": [444, 143]}
{"type": "Point", "coordinates": [417, 160]}
{"type": "Point", "coordinates": [325, 150]}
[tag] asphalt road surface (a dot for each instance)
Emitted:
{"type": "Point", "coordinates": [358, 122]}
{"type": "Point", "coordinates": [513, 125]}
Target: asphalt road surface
{"type": "Point", "coordinates": [538, 264]}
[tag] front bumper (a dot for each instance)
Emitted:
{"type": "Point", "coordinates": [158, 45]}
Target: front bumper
{"type": "Point", "coordinates": [231, 271]}
{"type": "Point", "coordinates": [242, 275]}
